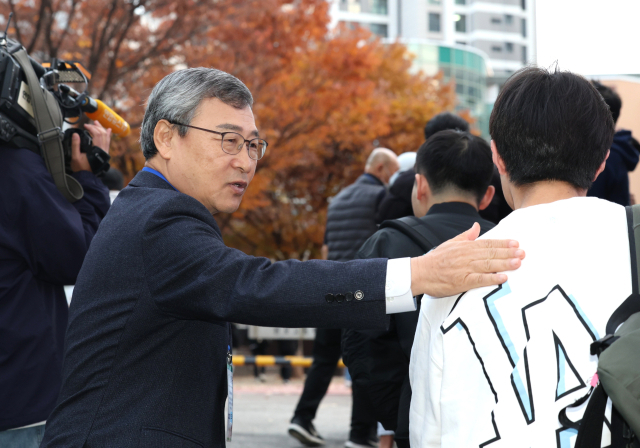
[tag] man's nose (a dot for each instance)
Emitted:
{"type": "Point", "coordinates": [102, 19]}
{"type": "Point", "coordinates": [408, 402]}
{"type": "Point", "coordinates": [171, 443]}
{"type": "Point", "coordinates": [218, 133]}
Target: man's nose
{"type": "Point", "coordinates": [242, 160]}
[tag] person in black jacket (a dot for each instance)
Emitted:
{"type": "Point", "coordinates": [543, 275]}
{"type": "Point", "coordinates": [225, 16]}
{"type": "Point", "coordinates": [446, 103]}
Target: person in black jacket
{"type": "Point", "coordinates": [452, 183]}
{"type": "Point", "coordinates": [613, 183]}
{"type": "Point", "coordinates": [43, 242]}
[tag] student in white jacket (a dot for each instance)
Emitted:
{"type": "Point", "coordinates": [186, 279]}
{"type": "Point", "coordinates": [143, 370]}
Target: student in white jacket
{"type": "Point", "coordinates": [494, 366]}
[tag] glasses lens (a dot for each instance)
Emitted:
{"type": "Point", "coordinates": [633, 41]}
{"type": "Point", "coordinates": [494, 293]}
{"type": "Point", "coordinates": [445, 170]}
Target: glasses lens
{"type": "Point", "coordinates": [232, 143]}
{"type": "Point", "coordinates": [257, 148]}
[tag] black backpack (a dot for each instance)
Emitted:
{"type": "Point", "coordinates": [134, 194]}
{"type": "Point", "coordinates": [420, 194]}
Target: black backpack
{"type": "Point", "coordinates": [618, 367]}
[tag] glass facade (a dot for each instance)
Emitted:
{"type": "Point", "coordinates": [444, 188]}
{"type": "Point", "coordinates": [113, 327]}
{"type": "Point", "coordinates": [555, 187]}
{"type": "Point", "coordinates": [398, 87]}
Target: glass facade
{"type": "Point", "coordinates": [366, 6]}
{"type": "Point", "coordinates": [466, 68]}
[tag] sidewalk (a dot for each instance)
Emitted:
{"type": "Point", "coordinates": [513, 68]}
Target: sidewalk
{"type": "Point", "coordinates": [262, 412]}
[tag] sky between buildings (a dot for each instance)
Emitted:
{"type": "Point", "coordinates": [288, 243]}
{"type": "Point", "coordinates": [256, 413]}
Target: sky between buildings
{"type": "Point", "coordinates": [589, 37]}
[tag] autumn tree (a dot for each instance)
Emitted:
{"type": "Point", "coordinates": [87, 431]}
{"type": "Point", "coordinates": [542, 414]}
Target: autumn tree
{"type": "Point", "coordinates": [127, 46]}
{"type": "Point", "coordinates": [323, 98]}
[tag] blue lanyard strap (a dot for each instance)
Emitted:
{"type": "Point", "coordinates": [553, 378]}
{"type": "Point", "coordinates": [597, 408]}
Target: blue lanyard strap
{"type": "Point", "coordinates": [159, 174]}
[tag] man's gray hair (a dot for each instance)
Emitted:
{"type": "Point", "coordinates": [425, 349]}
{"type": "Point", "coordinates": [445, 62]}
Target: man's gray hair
{"type": "Point", "coordinates": [177, 96]}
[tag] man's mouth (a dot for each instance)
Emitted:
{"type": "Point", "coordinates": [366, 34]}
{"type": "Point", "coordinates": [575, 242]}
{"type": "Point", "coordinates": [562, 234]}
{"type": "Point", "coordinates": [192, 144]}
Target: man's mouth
{"type": "Point", "coordinates": [238, 187]}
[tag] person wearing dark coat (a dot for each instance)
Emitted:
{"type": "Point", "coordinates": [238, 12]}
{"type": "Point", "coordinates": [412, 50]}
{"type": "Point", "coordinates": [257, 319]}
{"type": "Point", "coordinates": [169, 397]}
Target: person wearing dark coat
{"type": "Point", "coordinates": [350, 221]}
{"type": "Point", "coordinates": [147, 357]}
{"type": "Point", "coordinates": [43, 241]}
{"type": "Point", "coordinates": [453, 182]}
{"type": "Point", "coordinates": [613, 182]}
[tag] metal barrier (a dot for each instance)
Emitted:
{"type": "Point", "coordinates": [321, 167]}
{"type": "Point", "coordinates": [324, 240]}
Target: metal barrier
{"type": "Point", "coordinates": [294, 361]}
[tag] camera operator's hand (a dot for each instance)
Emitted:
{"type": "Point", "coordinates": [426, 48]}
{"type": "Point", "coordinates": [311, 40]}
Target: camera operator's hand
{"type": "Point", "coordinates": [79, 161]}
{"type": "Point", "coordinates": [101, 138]}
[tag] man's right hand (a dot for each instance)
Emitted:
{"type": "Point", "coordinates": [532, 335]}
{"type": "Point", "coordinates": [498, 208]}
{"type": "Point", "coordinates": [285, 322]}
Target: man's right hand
{"type": "Point", "coordinates": [463, 263]}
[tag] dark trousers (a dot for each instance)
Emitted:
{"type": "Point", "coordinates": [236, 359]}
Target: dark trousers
{"type": "Point", "coordinates": [287, 347]}
{"type": "Point", "coordinates": [326, 353]}
{"type": "Point", "coordinates": [363, 421]}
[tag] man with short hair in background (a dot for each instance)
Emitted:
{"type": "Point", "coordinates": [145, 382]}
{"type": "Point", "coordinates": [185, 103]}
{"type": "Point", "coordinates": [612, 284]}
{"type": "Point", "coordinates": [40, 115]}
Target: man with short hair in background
{"type": "Point", "coordinates": [453, 172]}
{"type": "Point", "coordinates": [350, 221]}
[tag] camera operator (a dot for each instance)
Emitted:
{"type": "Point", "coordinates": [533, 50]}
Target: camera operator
{"type": "Point", "coordinates": [43, 242]}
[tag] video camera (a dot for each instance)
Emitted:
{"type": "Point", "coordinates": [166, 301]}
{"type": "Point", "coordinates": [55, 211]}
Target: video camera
{"type": "Point", "coordinates": [36, 98]}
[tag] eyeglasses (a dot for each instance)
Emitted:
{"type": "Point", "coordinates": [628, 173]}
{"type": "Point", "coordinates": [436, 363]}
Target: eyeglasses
{"type": "Point", "coordinates": [232, 142]}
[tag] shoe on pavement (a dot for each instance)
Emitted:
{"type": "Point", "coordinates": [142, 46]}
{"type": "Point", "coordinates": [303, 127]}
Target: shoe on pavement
{"type": "Point", "coordinates": [305, 432]}
{"type": "Point", "coordinates": [360, 444]}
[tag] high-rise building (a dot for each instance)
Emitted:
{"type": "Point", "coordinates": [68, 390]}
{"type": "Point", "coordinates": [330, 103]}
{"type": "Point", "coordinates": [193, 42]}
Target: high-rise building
{"type": "Point", "coordinates": [501, 32]}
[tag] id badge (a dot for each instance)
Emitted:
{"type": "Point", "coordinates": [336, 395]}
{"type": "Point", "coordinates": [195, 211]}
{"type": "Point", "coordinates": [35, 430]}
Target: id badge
{"type": "Point", "coordinates": [229, 394]}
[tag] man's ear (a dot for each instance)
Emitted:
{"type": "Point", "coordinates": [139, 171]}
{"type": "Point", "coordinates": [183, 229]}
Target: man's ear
{"type": "Point", "coordinates": [497, 160]}
{"type": "Point", "coordinates": [423, 191]}
{"type": "Point", "coordinates": [162, 136]}
{"type": "Point", "coordinates": [602, 165]}
{"type": "Point", "coordinates": [487, 198]}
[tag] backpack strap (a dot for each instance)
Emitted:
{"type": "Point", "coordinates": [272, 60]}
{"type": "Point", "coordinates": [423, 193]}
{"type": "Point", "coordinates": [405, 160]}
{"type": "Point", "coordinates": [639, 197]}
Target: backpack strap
{"type": "Point", "coordinates": [590, 433]}
{"type": "Point", "coordinates": [421, 234]}
{"type": "Point", "coordinates": [632, 304]}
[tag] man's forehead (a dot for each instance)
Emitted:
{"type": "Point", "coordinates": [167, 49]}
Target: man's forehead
{"type": "Point", "coordinates": [235, 128]}
{"type": "Point", "coordinates": [220, 116]}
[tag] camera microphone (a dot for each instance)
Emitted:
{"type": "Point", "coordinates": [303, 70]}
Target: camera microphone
{"type": "Point", "coordinates": [97, 110]}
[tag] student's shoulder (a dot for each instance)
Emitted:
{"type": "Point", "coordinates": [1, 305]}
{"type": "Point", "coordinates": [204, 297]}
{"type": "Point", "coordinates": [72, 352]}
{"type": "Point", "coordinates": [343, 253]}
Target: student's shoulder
{"type": "Point", "coordinates": [387, 243]}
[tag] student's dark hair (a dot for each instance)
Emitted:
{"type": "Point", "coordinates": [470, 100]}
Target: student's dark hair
{"type": "Point", "coordinates": [444, 121]}
{"type": "Point", "coordinates": [611, 98]}
{"type": "Point", "coordinates": [551, 125]}
{"type": "Point", "coordinates": [456, 160]}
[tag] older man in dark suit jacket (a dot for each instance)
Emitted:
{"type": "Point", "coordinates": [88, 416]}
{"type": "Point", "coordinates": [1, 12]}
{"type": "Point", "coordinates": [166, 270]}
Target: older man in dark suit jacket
{"type": "Point", "coordinates": [148, 341]}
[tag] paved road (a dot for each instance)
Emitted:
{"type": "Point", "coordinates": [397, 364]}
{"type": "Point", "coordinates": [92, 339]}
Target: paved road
{"type": "Point", "coordinates": [262, 413]}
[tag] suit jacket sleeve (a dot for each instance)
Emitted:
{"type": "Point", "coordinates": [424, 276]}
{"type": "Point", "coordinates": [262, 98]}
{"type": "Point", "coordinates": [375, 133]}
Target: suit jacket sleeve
{"type": "Point", "coordinates": [191, 274]}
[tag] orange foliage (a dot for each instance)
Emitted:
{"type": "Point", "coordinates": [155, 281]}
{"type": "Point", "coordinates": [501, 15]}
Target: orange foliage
{"type": "Point", "coordinates": [323, 99]}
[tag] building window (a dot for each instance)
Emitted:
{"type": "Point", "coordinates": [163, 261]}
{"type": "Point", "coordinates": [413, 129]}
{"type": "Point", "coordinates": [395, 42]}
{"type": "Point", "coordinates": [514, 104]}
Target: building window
{"type": "Point", "coordinates": [379, 7]}
{"type": "Point", "coordinates": [509, 47]}
{"type": "Point", "coordinates": [524, 55]}
{"type": "Point", "coordinates": [461, 23]}
{"type": "Point", "coordinates": [461, 2]}
{"type": "Point", "coordinates": [508, 19]}
{"type": "Point", "coordinates": [496, 49]}
{"type": "Point", "coordinates": [495, 20]}
{"type": "Point", "coordinates": [434, 22]}
{"type": "Point", "coordinates": [523, 3]}
{"type": "Point", "coordinates": [460, 43]}
{"type": "Point", "coordinates": [378, 29]}
{"type": "Point", "coordinates": [524, 27]}
{"type": "Point", "coordinates": [435, 2]}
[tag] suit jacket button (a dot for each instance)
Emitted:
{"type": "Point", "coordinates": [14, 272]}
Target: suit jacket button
{"type": "Point", "coordinates": [339, 297]}
{"type": "Point", "coordinates": [349, 296]}
{"type": "Point", "coordinates": [359, 295]}
{"type": "Point", "coordinates": [329, 298]}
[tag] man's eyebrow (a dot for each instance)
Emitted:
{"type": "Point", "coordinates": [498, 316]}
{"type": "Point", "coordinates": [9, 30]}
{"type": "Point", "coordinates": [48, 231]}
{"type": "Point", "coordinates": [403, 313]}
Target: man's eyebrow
{"type": "Point", "coordinates": [236, 128]}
